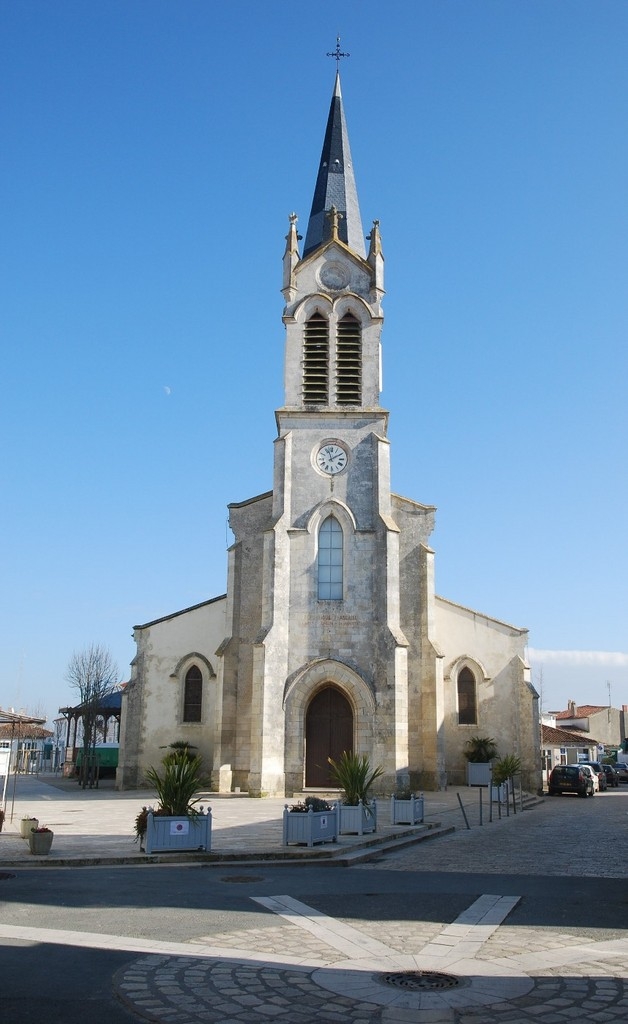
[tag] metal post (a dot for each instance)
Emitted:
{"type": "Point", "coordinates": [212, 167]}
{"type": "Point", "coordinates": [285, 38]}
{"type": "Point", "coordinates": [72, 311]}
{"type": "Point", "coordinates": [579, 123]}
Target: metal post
{"type": "Point", "coordinates": [466, 820]}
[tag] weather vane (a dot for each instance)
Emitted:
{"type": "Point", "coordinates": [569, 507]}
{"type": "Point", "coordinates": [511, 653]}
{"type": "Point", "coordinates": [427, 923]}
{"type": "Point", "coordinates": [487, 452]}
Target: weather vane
{"type": "Point", "coordinates": [337, 53]}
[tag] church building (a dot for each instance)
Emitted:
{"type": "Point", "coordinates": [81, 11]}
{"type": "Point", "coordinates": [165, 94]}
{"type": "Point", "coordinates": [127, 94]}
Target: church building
{"type": "Point", "coordinates": [330, 636]}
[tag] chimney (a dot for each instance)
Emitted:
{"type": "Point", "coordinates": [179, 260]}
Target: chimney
{"type": "Point", "coordinates": [572, 708]}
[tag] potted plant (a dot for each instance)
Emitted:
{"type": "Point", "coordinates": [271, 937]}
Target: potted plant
{"type": "Point", "coordinates": [354, 775]}
{"type": "Point", "coordinates": [504, 770]}
{"type": "Point", "coordinates": [310, 822]}
{"type": "Point", "coordinates": [406, 808]}
{"type": "Point", "coordinates": [40, 841]}
{"type": "Point", "coordinates": [479, 751]}
{"type": "Point", "coordinates": [26, 824]}
{"type": "Point", "coordinates": [176, 823]}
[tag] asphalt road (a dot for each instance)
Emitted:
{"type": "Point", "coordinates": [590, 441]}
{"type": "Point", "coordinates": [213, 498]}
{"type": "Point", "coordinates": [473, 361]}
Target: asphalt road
{"type": "Point", "coordinates": [545, 857]}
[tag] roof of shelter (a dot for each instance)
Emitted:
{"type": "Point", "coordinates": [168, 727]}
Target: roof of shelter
{"type": "Point", "coordinates": [20, 717]}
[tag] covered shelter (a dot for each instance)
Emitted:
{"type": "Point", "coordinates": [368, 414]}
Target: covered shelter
{"type": "Point", "coordinates": [14, 723]}
{"type": "Point", "coordinates": [107, 712]}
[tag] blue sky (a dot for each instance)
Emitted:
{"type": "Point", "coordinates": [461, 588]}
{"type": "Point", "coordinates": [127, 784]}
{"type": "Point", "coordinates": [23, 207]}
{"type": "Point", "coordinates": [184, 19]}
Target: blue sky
{"type": "Point", "coordinates": [152, 151]}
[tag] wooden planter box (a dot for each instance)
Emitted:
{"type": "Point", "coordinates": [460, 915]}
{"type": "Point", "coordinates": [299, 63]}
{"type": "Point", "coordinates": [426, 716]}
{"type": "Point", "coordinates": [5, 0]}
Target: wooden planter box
{"type": "Point", "coordinates": [479, 774]}
{"type": "Point", "coordinates": [164, 834]}
{"type": "Point", "coordinates": [499, 794]}
{"type": "Point", "coordinates": [358, 819]}
{"type": "Point", "coordinates": [310, 827]}
{"type": "Point", "coordinates": [407, 812]}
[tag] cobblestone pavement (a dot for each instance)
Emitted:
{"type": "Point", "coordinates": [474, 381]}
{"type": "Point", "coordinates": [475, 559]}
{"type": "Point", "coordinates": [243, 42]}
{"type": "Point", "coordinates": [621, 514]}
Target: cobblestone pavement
{"type": "Point", "coordinates": [530, 977]}
{"type": "Point", "coordinates": [503, 975]}
{"type": "Point", "coordinates": [555, 838]}
{"type": "Point", "coordinates": [474, 968]}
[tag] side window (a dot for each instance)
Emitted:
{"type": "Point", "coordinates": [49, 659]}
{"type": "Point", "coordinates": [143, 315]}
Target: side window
{"type": "Point", "coordinates": [193, 695]}
{"type": "Point", "coordinates": [467, 703]}
{"type": "Point", "coordinates": [330, 560]}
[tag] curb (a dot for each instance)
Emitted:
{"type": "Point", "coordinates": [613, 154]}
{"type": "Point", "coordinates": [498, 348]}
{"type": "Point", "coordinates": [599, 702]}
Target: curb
{"type": "Point", "coordinates": [329, 855]}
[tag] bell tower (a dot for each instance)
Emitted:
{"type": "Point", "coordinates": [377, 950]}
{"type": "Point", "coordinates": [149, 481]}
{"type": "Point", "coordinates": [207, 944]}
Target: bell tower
{"type": "Point", "coordinates": [316, 650]}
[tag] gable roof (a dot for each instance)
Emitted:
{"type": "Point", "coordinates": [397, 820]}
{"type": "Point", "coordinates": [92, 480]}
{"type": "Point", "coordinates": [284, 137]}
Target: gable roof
{"type": "Point", "coordinates": [582, 711]}
{"type": "Point", "coordinates": [566, 738]}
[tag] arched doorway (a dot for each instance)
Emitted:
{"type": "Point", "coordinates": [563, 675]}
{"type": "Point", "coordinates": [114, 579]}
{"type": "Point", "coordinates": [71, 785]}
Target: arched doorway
{"type": "Point", "coordinates": [328, 731]}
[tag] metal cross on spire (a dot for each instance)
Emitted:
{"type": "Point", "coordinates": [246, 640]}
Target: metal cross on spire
{"type": "Point", "coordinates": [337, 53]}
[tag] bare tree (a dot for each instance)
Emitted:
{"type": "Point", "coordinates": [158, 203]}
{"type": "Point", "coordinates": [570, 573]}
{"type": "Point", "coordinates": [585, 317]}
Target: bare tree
{"type": "Point", "coordinates": [93, 674]}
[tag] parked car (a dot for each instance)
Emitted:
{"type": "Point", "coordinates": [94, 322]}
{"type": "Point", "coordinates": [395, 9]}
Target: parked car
{"type": "Point", "coordinates": [593, 775]}
{"type": "Point", "coordinates": [570, 778]}
{"type": "Point", "coordinates": [598, 768]}
{"type": "Point", "coordinates": [622, 771]}
{"type": "Point", "coordinates": [612, 778]}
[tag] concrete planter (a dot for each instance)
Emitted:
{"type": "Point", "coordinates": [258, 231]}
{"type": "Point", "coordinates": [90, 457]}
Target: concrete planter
{"type": "Point", "coordinates": [407, 812]}
{"type": "Point", "coordinates": [306, 828]}
{"type": "Point", "coordinates": [479, 773]}
{"type": "Point", "coordinates": [358, 819]}
{"type": "Point", "coordinates": [166, 834]}
{"type": "Point", "coordinates": [39, 843]}
{"type": "Point", "coordinates": [26, 825]}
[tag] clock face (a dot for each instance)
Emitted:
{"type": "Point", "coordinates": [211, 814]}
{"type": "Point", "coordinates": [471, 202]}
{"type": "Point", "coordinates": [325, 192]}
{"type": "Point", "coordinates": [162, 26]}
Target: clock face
{"type": "Point", "coordinates": [331, 458]}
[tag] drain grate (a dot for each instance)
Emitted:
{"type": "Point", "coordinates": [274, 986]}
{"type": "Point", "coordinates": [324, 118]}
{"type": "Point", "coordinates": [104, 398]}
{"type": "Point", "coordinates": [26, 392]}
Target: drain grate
{"type": "Point", "coordinates": [5, 874]}
{"type": "Point", "coordinates": [420, 980]}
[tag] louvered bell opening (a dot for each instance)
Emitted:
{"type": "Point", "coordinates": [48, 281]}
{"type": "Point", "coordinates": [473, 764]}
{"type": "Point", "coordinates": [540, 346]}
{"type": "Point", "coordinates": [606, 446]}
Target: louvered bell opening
{"type": "Point", "coordinates": [316, 361]}
{"type": "Point", "coordinates": [349, 362]}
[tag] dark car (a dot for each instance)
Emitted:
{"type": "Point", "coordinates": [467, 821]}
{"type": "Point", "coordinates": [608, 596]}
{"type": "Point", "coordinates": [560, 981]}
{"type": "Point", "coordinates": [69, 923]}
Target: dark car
{"type": "Point", "coordinates": [622, 771]}
{"type": "Point", "coordinates": [612, 778]}
{"type": "Point", "coordinates": [598, 768]}
{"type": "Point", "coordinates": [569, 778]}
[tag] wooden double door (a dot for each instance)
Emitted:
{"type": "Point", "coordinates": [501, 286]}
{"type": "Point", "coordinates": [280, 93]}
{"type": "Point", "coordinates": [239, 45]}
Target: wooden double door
{"type": "Point", "coordinates": [328, 731]}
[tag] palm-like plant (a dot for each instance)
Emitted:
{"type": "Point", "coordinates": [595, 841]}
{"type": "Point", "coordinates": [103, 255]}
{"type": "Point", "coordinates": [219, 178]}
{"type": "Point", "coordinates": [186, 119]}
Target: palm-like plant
{"type": "Point", "coordinates": [480, 749]}
{"type": "Point", "coordinates": [354, 775]}
{"type": "Point", "coordinates": [182, 778]}
{"type": "Point", "coordinates": [505, 768]}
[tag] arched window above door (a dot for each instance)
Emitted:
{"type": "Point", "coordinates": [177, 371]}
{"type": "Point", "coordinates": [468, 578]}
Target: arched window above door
{"type": "Point", "coordinates": [330, 560]}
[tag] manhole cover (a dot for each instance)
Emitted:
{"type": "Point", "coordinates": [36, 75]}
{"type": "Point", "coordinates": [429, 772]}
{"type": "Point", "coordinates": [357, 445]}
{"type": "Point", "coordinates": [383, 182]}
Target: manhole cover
{"type": "Point", "coordinates": [4, 875]}
{"type": "Point", "coordinates": [420, 980]}
{"type": "Point", "coordinates": [242, 878]}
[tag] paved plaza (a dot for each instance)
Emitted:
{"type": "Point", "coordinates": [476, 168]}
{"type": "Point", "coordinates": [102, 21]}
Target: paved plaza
{"type": "Point", "coordinates": [468, 952]}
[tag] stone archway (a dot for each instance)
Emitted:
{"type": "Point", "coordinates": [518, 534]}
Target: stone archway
{"type": "Point", "coordinates": [298, 696]}
{"type": "Point", "coordinates": [328, 731]}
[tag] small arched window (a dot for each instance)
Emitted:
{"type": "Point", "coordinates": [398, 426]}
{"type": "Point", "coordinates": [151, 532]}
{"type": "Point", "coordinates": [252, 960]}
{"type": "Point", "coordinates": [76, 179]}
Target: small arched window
{"type": "Point", "coordinates": [330, 560]}
{"type": "Point", "coordinates": [467, 702]}
{"type": "Point", "coordinates": [193, 695]}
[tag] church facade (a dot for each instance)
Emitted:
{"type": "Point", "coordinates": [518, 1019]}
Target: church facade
{"type": "Point", "coordinates": [330, 636]}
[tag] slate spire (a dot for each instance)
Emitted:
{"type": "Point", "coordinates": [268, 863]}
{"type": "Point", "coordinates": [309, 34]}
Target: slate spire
{"type": "Point", "coordinates": [335, 186]}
